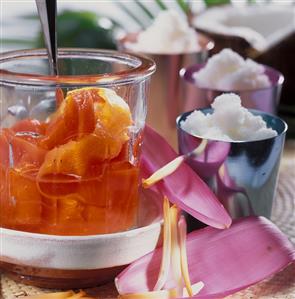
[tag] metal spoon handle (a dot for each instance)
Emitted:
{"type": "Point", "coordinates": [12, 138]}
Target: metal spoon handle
{"type": "Point", "coordinates": [47, 14]}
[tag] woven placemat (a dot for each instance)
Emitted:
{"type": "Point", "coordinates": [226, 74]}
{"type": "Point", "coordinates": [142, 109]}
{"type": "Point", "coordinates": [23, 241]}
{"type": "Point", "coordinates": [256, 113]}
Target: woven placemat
{"type": "Point", "coordinates": [280, 286]}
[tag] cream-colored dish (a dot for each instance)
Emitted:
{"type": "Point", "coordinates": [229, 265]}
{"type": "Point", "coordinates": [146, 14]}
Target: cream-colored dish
{"type": "Point", "coordinates": [80, 261]}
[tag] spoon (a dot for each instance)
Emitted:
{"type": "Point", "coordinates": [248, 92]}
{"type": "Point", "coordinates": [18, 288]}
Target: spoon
{"type": "Point", "coordinates": [47, 14]}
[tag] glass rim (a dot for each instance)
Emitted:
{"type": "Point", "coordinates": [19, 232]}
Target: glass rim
{"type": "Point", "coordinates": [144, 68]}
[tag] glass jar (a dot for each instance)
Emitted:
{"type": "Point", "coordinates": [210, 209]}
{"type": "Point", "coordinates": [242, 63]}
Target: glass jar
{"type": "Point", "coordinates": [70, 143]}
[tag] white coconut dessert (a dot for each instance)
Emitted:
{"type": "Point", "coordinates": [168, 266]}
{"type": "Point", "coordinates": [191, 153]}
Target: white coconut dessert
{"type": "Point", "coordinates": [229, 121]}
{"type": "Point", "coordinates": [227, 70]}
{"type": "Point", "coordinates": [169, 33]}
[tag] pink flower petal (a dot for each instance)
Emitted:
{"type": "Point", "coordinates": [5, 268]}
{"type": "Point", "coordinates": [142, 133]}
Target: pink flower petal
{"type": "Point", "coordinates": [184, 187]}
{"type": "Point", "coordinates": [207, 163]}
{"type": "Point", "coordinates": [226, 261]}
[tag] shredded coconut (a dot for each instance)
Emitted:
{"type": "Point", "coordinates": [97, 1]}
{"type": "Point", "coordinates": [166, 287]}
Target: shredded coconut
{"type": "Point", "coordinates": [169, 34]}
{"type": "Point", "coordinates": [228, 71]}
{"type": "Point", "coordinates": [228, 122]}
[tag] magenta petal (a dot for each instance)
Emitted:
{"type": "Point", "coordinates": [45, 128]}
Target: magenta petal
{"type": "Point", "coordinates": [226, 261]}
{"type": "Point", "coordinates": [207, 164]}
{"type": "Point", "coordinates": [184, 187]}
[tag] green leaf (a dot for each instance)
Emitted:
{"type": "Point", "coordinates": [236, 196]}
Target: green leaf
{"type": "Point", "coordinates": [216, 2]}
{"type": "Point", "coordinates": [144, 9]}
{"type": "Point", "coordinates": [161, 4]}
{"type": "Point", "coordinates": [183, 5]}
{"type": "Point", "coordinates": [80, 29]}
{"type": "Point", "coordinates": [30, 17]}
{"type": "Point", "coordinates": [15, 41]}
{"type": "Point", "coordinates": [130, 14]}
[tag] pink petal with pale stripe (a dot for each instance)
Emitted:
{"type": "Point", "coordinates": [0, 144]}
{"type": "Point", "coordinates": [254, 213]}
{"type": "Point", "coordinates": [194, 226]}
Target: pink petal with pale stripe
{"type": "Point", "coordinates": [208, 163]}
{"type": "Point", "coordinates": [184, 187]}
{"type": "Point", "coordinates": [227, 261]}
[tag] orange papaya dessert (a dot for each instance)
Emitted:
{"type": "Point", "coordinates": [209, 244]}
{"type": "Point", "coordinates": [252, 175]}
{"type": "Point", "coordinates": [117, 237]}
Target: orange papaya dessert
{"type": "Point", "coordinates": [71, 174]}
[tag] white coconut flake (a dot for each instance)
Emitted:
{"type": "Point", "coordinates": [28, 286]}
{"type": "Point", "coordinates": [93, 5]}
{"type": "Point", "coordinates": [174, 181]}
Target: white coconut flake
{"type": "Point", "coordinates": [168, 34]}
{"type": "Point", "coordinates": [228, 122]}
{"type": "Point", "coordinates": [228, 71]}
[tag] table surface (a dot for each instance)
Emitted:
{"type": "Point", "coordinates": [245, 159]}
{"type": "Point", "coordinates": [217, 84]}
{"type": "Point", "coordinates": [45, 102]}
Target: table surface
{"type": "Point", "coordinates": [281, 285]}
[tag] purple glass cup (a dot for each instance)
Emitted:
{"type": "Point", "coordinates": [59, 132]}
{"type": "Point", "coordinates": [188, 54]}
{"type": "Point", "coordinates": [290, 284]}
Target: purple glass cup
{"type": "Point", "coordinates": [264, 99]}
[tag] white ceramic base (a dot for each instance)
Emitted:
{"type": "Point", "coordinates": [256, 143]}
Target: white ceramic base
{"type": "Point", "coordinates": [81, 253]}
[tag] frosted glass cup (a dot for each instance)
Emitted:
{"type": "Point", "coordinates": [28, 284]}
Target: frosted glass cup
{"type": "Point", "coordinates": [70, 159]}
